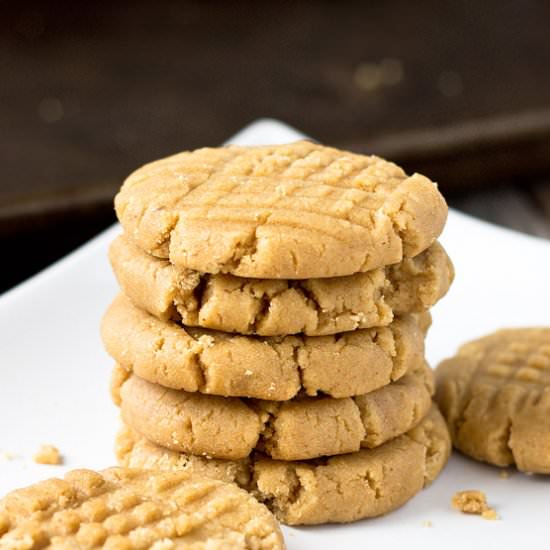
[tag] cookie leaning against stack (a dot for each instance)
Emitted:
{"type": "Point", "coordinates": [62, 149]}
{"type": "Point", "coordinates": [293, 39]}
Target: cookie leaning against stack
{"type": "Point", "coordinates": [271, 331]}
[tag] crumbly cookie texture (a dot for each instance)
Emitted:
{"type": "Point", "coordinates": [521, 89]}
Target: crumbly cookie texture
{"type": "Point", "coordinates": [276, 368]}
{"type": "Point", "coordinates": [473, 502]}
{"type": "Point", "coordinates": [48, 454]}
{"type": "Point", "coordinates": [340, 489]}
{"type": "Point", "coordinates": [304, 428]}
{"type": "Point", "coordinates": [495, 396]}
{"type": "Point", "coordinates": [134, 509]}
{"type": "Point", "coordinates": [279, 307]}
{"type": "Point", "coordinates": [294, 211]}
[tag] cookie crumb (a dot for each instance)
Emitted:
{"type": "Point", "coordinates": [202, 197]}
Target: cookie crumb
{"type": "Point", "coordinates": [48, 454]}
{"type": "Point", "coordinates": [504, 474]}
{"type": "Point", "coordinates": [6, 456]}
{"type": "Point", "coordinates": [248, 372]}
{"type": "Point", "coordinates": [489, 514]}
{"type": "Point", "coordinates": [427, 523]}
{"type": "Point", "coordinates": [473, 502]}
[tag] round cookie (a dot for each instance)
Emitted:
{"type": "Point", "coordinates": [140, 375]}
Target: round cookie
{"type": "Point", "coordinates": [277, 368]}
{"type": "Point", "coordinates": [367, 483]}
{"type": "Point", "coordinates": [138, 509]}
{"type": "Point", "coordinates": [294, 211]}
{"type": "Point", "coordinates": [304, 428]}
{"type": "Point", "coordinates": [495, 396]}
{"type": "Point", "coordinates": [276, 307]}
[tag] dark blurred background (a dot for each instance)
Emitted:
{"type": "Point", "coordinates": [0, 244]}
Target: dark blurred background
{"type": "Point", "coordinates": [89, 91]}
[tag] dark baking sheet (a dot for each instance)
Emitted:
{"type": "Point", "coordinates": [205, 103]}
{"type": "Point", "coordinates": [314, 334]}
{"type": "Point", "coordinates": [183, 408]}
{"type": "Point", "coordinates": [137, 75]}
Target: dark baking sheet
{"type": "Point", "coordinates": [457, 90]}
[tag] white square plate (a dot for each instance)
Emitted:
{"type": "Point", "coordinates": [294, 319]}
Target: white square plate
{"type": "Point", "coordinates": [54, 380]}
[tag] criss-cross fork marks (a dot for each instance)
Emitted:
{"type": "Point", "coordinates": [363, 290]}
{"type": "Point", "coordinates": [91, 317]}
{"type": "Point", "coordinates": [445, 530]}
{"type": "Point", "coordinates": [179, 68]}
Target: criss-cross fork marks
{"type": "Point", "coordinates": [284, 211]}
{"type": "Point", "coordinates": [511, 374]}
{"type": "Point", "coordinates": [523, 362]}
{"type": "Point", "coordinates": [296, 179]}
{"type": "Point", "coordinates": [119, 509]}
{"type": "Point", "coordinates": [496, 396]}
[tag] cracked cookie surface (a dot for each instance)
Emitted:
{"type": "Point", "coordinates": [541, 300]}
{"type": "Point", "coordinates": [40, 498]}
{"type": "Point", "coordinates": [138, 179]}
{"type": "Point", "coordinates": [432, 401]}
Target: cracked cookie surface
{"type": "Point", "coordinates": [294, 211]}
{"type": "Point", "coordinates": [272, 368]}
{"type": "Point", "coordinates": [367, 483]}
{"type": "Point", "coordinates": [300, 429]}
{"type": "Point", "coordinates": [495, 396]}
{"type": "Point", "coordinates": [122, 508]}
{"type": "Point", "coordinates": [277, 306]}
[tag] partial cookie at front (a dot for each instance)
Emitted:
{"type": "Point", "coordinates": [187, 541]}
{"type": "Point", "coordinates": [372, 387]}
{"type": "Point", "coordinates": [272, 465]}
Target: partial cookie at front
{"type": "Point", "coordinates": [341, 489]}
{"type": "Point", "coordinates": [123, 508]}
{"type": "Point", "coordinates": [293, 211]}
{"type": "Point", "coordinates": [495, 396]}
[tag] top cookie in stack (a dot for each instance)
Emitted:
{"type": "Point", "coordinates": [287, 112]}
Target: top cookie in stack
{"type": "Point", "coordinates": [291, 283]}
{"type": "Point", "coordinates": [295, 211]}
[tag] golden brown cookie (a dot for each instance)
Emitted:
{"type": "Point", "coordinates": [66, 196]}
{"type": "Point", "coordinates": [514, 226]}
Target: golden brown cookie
{"type": "Point", "coordinates": [279, 307]}
{"type": "Point", "coordinates": [495, 396]}
{"type": "Point", "coordinates": [277, 368]}
{"type": "Point", "coordinates": [340, 489]}
{"type": "Point", "coordinates": [304, 428]}
{"type": "Point", "coordinates": [294, 211]}
{"type": "Point", "coordinates": [133, 509]}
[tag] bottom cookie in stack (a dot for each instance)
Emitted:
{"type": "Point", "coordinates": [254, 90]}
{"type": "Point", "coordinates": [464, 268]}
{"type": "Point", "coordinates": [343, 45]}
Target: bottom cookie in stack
{"type": "Point", "coordinates": [339, 489]}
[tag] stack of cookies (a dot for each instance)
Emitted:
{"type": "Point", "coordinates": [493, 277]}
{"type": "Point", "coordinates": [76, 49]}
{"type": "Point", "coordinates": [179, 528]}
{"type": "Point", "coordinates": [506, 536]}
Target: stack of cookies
{"type": "Point", "coordinates": [272, 322]}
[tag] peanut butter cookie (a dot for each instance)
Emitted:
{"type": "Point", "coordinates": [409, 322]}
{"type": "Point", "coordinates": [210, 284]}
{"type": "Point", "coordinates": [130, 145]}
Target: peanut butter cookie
{"type": "Point", "coordinates": [123, 508]}
{"type": "Point", "coordinates": [495, 396]}
{"type": "Point", "coordinates": [276, 307]}
{"type": "Point", "coordinates": [294, 211]}
{"type": "Point", "coordinates": [304, 428]}
{"type": "Point", "coordinates": [340, 489]}
{"type": "Point", "coordinates": [272, 368]}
